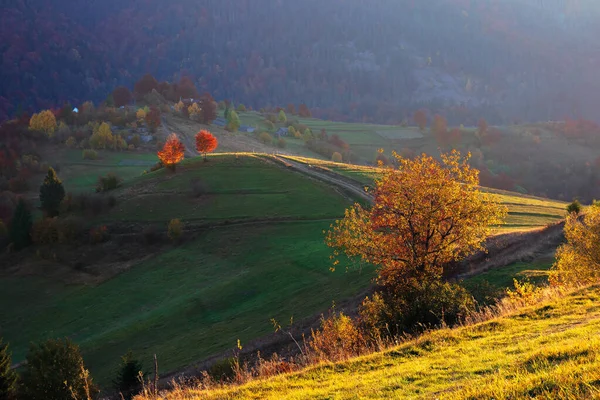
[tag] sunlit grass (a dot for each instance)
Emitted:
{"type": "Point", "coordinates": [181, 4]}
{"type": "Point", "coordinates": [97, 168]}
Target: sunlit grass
{"type": "Point", "coordinates": [550, 350]}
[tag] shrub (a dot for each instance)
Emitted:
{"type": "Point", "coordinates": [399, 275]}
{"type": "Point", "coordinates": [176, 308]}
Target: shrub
{"type": "Point", "coordinates": [127, 381]}
{"type": "Point", "coordinates": [271, 118]}
{"type": "Point", "coordinates": [71, 142]}
{"type": "Point", "coordinates": [241, 108]}
{"type": "Point", "coordinates": [269, 125]}
{"type": "Point", "coordinates": [156, 167]}
{"type": "Point", "coordinates": [136, 140]}
{"type": "Point", "coordinates": [18, 184]}
{"type": "Point", "coordinates": [45, 231]}
{"type": "Point", "coordinates": [150, 235]}
{"type": "Point", "coordinates": [89, 154]}
{"type": "Point", "coordinates": [338, 338]}
{"type": "Point", "coordinates": [281, 143]}
{"type": "Point", "coordinates": [574, 207]}
{"type": "Point", "coordinates": [108, 182]}
{"type": "Point", "coordinates": [99, 234]}
{"type": "Point", "coordinates": [415, 306]}
{"type": "Point", "coordinates": [223, 370]}
{"type": "Point", "coordinates": [52, 193]}
{"type": "Point", "coordinates": [266, 138]}
{"type": "Point", "coordinates": [55, 370]}
{"type": "Point", "coordinates": [336, 157]}
{"type": "Point", "coordinates": [131, 147]}
{"type": "Point", "coordinates": [175, 230]}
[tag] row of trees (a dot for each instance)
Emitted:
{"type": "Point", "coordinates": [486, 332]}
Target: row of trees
{"type": "Point", "coordinates": [55, 370]}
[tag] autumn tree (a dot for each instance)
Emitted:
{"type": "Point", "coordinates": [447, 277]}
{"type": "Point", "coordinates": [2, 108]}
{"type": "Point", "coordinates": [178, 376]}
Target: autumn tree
{"type": "Point", "coordinates": [195, 112]}
{"type": "Point", "coordinates": [55, 371]}
{"type": "Point", "coordinates": [186, 88]}
{"type": "Point", "coordinates": [19, 231]}
{"type": "Point", "coordinates": [482, 127]}
{"type": "Point", "coordinates": [420, 118]}
{"type": "Point", "coordinates": [578, 260]}
{"type": "Point", "coordinates": [426, 214]}
{"type": "Point", "coordinates": [336, 157]}
{"type": "Point", "coordinates": [172, 152]}
{"type": "Point", "coordinates": [304, 111]}
{"type": "Point", "coordinates": [153, 118]}
{"type": "Point", "coordinates": [102, 138]}
{"type": "Point", "coordinates": [144, 86]}
{"type": "Point", "coordinates": [209, 109]}
{"type": "Point", "coordinates": [205, 143]}
{"type": "Point", "coordinates": [439, 127]}
{"type": "Point", "coordinates": [121, 96]}
{"type": "Point", "coordinates": [8, 376]}
{"type": "Point", "coordinates": [291, 109]}
{"type": "Point", "coordinates": [44, 121]}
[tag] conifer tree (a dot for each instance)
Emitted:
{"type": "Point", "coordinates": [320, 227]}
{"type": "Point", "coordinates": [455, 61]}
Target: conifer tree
{"type": "Point", "coordinates": [52, 193]}
{"type": "Point", "coordinates": [20, 226]}
{"type": "Point", "coordinates": [127, 381]}
{"type": "Point", "coordinates": [8, 377]}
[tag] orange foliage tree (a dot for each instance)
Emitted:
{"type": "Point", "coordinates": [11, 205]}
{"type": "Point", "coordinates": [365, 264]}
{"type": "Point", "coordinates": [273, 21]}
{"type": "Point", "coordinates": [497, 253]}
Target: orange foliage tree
{"type": "Point", "coordinates": [172, 152]}
{"type": "Point", "coordinates": [426, 215]}
{"type": "Point", "coordinates": [206, 143]}
{"type": "Point", "coordinates": [420, 119]}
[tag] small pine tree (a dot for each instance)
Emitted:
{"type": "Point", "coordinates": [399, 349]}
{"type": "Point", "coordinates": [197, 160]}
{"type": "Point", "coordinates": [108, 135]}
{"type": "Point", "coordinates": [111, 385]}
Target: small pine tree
{"type": "Point", "coordinates": [8, 377]}
{"type": "Point", "coordinates": [52, 193]}
{"type": "Point", "coordinates": [127, 381]}
{"type": "Point", "coordinates": [55, 371]}
{"type": "Point", "coordinates": [20, 226]}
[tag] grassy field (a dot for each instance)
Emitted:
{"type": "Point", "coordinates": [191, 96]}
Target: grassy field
{"type": "Point", "coordinates": [551, 350]}
{"type": "Point", "coordinates": [525, 212]}
{"type": "Point", "coordinates": [197, 299]}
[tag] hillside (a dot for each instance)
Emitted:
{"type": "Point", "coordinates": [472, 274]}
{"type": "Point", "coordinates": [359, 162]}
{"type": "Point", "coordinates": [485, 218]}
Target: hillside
{"type": "Point", "coordinates": [253, 238]}
{"type": "Point", "coordinates": [503, 60]}
{"type": "Point", "coordinates": [549, 350]}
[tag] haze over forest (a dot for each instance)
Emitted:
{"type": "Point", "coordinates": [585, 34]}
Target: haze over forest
{"type": "Point", "coordinates": [378, 61]}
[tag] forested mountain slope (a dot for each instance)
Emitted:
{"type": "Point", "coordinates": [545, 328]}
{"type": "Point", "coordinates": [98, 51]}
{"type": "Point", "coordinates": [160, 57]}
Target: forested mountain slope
{"type": "Point", "coordinates": [380, 60]}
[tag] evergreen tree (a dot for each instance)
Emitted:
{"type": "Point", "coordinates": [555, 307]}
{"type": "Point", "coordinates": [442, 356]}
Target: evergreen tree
{"type": "Point", "coordinates": [233, 122]}
{"type": "Point", "coordinates": [20, 226]}
{"type": "Point", "coordinates": [52, 193]}
{"type": "Point", "coordinates": [127, 381]}
{"type": "Point", "coordinates": [55, 371]}
{"type": "Point", "coordinates": [8, 377]}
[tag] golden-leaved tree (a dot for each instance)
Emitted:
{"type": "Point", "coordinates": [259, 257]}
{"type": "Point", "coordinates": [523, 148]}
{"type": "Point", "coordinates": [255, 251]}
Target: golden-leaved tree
{"type": "Point", "coordinates": [426, 214]}
{"type": "Point", "coordinates": [44, 121]}
{"type": "Point", "coordinates": [102, 138]}
{"type": "Point", "coordinates": [578, 260]}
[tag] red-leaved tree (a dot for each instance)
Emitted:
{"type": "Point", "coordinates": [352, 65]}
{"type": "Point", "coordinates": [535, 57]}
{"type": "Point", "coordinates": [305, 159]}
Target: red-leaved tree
{"type": "Point", "coordinates": [121, 96]}
{"type": "Point", "coordinates": [145, 85]}
{"type": "Point", "coordinates": [153, 118]}
{"type": "Point", "coordinates": [206, 143]}
{"type": "Point", "coordinates": [420, 119]}
{"type": "Point", "coordinates": [172, 152]}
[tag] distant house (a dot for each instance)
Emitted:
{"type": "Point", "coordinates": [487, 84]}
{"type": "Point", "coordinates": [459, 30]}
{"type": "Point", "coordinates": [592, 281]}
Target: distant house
{"type": "Point", "coordinates": [76, 110]}
{"type": "Point", "coordinates": [220, 122]}
{"type": "Point", "coordinates": [246, 128]}
{"type": "Point", "coordinates": [282, 132]}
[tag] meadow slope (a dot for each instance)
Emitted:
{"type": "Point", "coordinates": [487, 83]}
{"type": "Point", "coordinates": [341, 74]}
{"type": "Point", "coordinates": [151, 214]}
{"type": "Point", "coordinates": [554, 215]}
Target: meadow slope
{"type": "Point", "coordinates": [550, 350]}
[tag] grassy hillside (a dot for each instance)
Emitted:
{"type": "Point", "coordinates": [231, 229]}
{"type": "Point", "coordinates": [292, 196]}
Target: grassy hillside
{"type": "Point", "coordinates": [550, 350]}
{"type": "Point", "coordinates": [525, 212]}
{"type": "Point", "coordinates": [258, 254]}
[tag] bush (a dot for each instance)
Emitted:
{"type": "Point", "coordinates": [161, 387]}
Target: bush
{"type": "Point", "coordinates": [52, 193]}
{"type": "Point", "coordinates": [71, 142]}
{"type": "Point", "coordinates": [18, 184]}
{"type": "Point", "coordinates": [175, 230]}
{"type": "Point", "coordinates": [281, 143]}
{"type": "Point", "coordinates": [108, 182]}
{"type": "Point", "coordinates": [150, 235]}
{"type": "Point", "coordinates": [336, 157]}
{"type": "Point", "coordinates": [241, 108]}
{"type": "Point", "coordinates": [45, 231]}
{"type": "Point", "coordinates": [89, 154]}
{"type": "Point", "coordinates": [55, 370]}
{"type": "Point", "coordinates": [8, 376]}
{"type": "Point", "coordinates": [136, 140]}
{"type": "Point", "coordinates": [99, 234]}
{"type": "Point", "coordinates": [338, 338]}
{"type": "Point", "coordinates": [574, 207]}
{"type": "Point", "coordinates": [223, 370]}
{"type": "Point", "coordinates": [415, 306]}
{"type": "Point", "coordinates": [265, 138]}
{"type": "Point", "coordinates": [127, 381]}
